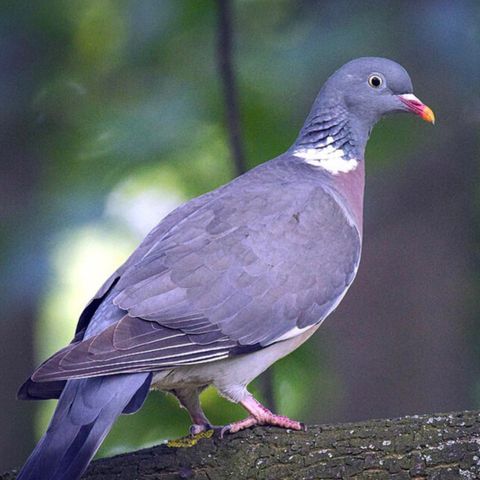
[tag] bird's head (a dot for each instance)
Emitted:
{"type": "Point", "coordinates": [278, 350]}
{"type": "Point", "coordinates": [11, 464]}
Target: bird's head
{"type": "Point", "coordinates": [372, 87]}
{"type": "Point", "coordinates": [350, 103]}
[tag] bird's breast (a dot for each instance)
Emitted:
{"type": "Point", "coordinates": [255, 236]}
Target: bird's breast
{"type": "Point", "coordinates": [350, 187]}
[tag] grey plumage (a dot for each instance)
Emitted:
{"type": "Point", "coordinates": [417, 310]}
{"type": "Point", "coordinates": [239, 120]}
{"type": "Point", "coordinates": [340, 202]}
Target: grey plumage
{"type": "Point", "coordinates": [222, 266]}
{"type": "Point", "coordinates": [224, 285]}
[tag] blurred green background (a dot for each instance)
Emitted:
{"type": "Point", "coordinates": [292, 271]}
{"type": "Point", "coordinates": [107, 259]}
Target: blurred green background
{"type": "Point", "coordinates": [112, 113]}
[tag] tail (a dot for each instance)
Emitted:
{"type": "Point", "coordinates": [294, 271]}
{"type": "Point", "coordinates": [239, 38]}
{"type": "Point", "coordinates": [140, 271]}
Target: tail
{"type": "Point", "coordinates": [85, 413]}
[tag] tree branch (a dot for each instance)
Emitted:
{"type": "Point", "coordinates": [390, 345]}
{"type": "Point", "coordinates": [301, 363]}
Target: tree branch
{"type": "Point", "coordinates": [225, 65]}
{"type": "Point", "coordinates": [443, 446]}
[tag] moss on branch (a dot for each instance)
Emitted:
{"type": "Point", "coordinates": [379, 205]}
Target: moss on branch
{"type": "Point", "coordinates": [445, 446]}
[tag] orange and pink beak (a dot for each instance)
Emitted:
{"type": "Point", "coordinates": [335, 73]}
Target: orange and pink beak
{"type": "Point", "coordinates": [414, 105]}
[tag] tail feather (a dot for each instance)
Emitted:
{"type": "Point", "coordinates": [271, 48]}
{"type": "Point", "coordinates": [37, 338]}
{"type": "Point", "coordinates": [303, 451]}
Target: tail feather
{"type": "Point", "coordinates": [85, 413]}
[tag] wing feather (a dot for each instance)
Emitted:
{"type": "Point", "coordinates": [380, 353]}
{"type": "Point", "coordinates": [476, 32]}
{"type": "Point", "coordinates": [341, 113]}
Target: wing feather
{"type": "Point", "coordinates": [149, 347]}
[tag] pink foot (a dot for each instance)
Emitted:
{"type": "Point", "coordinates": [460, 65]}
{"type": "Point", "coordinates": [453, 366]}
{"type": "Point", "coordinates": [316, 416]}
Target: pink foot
{"type": "Point", "coordinates": [260, 415]}
{"type": "Point", "coordinates": [281, 421]}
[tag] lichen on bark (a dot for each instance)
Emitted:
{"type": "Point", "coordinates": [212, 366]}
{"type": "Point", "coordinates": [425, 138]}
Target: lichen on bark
{"type": "Point", "coordinates": [439, 447]}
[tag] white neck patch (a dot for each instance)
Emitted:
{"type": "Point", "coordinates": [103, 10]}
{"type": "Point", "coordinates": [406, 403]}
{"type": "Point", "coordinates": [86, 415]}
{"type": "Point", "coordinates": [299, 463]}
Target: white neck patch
{"type": "Point", "coordinates": [328, 158]}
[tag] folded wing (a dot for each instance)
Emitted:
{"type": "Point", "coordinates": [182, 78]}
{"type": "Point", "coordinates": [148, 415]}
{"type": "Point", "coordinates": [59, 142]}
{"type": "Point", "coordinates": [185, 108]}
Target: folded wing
{"type": "Point", "coordinates": [223, 279]}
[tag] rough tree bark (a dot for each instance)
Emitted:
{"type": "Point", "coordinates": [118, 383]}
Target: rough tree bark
{"type": "Point", "coordinates": [439, 447]}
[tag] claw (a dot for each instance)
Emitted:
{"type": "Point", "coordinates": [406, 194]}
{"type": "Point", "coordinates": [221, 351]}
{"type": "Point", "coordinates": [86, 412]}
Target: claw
{"type": "Point", "coordinates": [237, 426]}
{"type": "Point", "coordinates": [224, 430]}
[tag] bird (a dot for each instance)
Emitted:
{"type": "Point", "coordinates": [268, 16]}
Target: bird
{"type": "Point", "coordinates": [227, 283]}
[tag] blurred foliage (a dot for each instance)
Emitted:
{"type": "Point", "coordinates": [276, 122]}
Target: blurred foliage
{"type": "Point", "coordinates": [125, 113]}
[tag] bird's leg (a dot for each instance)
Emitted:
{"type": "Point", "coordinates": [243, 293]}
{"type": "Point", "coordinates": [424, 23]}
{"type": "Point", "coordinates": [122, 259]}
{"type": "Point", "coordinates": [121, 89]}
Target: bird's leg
{"type": "Point", "coordinates": [260, 415]}
{"type": "Point", "coordinates": [190, 400]}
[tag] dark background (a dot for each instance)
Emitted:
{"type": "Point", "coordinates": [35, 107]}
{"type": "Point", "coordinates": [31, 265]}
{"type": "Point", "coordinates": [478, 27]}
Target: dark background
{"type": "Point", "coordinates": [112, 112]}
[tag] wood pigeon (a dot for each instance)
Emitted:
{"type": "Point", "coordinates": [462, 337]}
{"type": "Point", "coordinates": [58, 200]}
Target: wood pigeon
{"type": "Point", "coordinates": [226, 284]}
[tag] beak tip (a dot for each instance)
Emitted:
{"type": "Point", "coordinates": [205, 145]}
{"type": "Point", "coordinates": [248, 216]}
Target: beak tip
{"type": "Point", "coordinates": [414, 105]}
{"type": "Point", "coordinates": [428, 115]}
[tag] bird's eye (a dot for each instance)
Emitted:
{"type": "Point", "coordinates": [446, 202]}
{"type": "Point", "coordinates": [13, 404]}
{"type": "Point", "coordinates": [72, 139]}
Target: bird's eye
{"type": "Point", "coordinates": [375, 81]}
